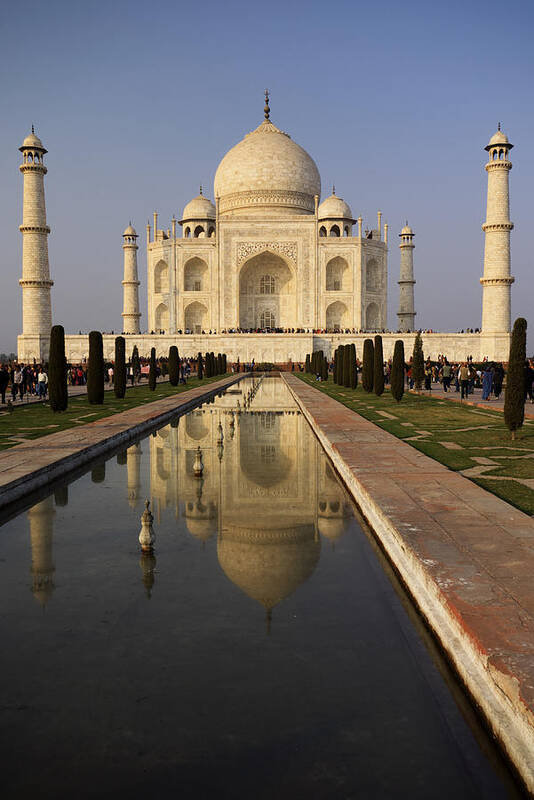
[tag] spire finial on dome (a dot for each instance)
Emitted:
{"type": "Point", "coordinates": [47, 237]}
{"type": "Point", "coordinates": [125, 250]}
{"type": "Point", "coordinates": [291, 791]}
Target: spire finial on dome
{"type": "Point", "coordinates": [499, 126]}
{"type": "Point", "coordinates": [33, 129]}
{"type": "Point", "coordinates": [266, 110]}
{"type": "Point", "coordinates": [333, 188]}
{"type": "Point", "coordinates": [200, 188]}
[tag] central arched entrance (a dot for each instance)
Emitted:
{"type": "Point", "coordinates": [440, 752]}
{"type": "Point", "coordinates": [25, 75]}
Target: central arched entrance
{"type": "Point", "coordinates": [267, 293]}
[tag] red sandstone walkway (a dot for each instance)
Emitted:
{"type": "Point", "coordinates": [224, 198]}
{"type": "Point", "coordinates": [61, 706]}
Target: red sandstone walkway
{"type": "Point", "coordinates": [466, 556]}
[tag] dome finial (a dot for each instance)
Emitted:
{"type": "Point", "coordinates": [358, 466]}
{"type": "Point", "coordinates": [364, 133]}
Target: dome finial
{"type": "Point", "coordinates": [200, 188]}
{"type": "Point", "coordinates": [333, 188]}
{"type": "Point", "coordinates": [499, 126]}
{"type": "Point", "coordinates": [33, 129]}
{"type": "Point", "coordinates": [266, 110]}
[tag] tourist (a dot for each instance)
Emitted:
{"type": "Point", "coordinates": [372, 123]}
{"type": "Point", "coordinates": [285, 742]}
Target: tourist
{"type": "Point", "coordinates": [487, 382]}
{"type": "Point", "coordinates": [446, 375]}
{"type": "Point", "coordinates": [42, 383]}
{"type": "Point", "coordinates": [4, 380]}
{"type": "Point", "coordinates": [529, 380]}
{"type": "Point", "coordinates": [428, 377]}
{"type": "Point", "coordinates": [498, 377]}
{"type": "Point", "coordinates": [463, 376]}
{"type": "Point", "coordinates": [17, 385]}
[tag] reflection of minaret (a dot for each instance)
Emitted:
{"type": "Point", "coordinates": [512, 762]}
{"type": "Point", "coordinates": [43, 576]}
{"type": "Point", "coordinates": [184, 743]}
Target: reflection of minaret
{"type": "Point", "coordinates": [41, 518]}
{"type": "Point", "coordinates": [134, 473]}
{"type": "Point", "coordinates": [147, 562]}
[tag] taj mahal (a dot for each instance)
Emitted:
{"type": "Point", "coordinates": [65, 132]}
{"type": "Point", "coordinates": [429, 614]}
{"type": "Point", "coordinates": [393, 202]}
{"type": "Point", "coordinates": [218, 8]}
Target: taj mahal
{"type": "Point", "coordinates": [268, 271]}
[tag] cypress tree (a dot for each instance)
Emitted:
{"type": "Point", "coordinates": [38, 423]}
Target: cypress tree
{"type": "Point", "coordinates": [418, 362]}
{"type": "Point", "coordinates": [152, 370]}
{"type": "Point", "coordinates": [341, 365]}
{"type": "Point", "coordinates": [119, 371]}
{"type": "Point", "coordinates": [368, 365]}
{"type": "Point", "coordinates": [353, 367]}
{"type": "Point", "coordinates": [209, 365]}
{"type": "Point", "coordinates": [514, 396]}
{"type": "Point", "coordinates": [57, 370]}
{"type": "Point", "coordinates": [219, 364]}
{"type": "Point", "coordinates": [225, 366]}
{"type": "Point", "coordinates": [307, 363]}
{"type": "Point", "coordinates": [334, 373]}
{"type": "Point", "coordinates": [200, 367]}
{"type": "Point", "coordinates": [136, 364]}
{"type": "Point", "coordinates": [324, 369]}
{"type": "Point", "coordinates": [346, 365]}
{"type": "Point", "coordinates": [213, 364]}
{"type": "Point", "coordinates": [95, 369]}
{"type": "Point", "coordinates": [174, 365]}
{"type": "Point", "coordinates": [378, 367]}
{"type": "Point", "coordinates": [397, 371]}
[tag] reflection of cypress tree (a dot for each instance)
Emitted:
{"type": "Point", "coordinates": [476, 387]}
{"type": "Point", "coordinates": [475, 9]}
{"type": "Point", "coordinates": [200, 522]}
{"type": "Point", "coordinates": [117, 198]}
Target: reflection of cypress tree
{"type": "Point", "coordinates": [418, 362]}
{"type": "Point", "coordinates": [207, 362]}
{"type": "Point", "coordinates": [346, 365]}
{"type": "Point", "coordinates": [95, 369]}
{"type": "Point", "coordinates": [98, 473]}
{"type": "Point", "coordinates": [514, 396]}
{"type": "Point", "coordinates": [174, 366]}
{"type": "Point", "coordinates": [122, 458]}
{"type": "Point", "coordinates": [119, 371]}
{"type": "Point", "coordinates": [368, 365]}
{"type": "Point", "coordinates": [57, 370]}
{"type": "Point", "coordinates": [200, 367]}
{"type": "Point", "coordinates": [378, 367]}
{"type": "Point", "coordinates": [175, 421]}
{"type": "Point", "coordinates": [397, 371]}
{"type": "Point", "coordinates": [61, 496]}
{"type": "Point", "coordinates": [353, 367]}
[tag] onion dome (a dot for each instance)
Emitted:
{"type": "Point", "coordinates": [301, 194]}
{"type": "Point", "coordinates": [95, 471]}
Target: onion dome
{"type": "Point", "coordinates": [130, 231]}
{"type": "Point", "coordinates": [407, 231]}
{"type": "Point", "coordinates": [499, 138]}
{"type": "Point", "coordinates": [334, 207]}
{"type": "Point", "coordinates": [199, 208]}
{"type": "Point", "coordinates": [267, 170]}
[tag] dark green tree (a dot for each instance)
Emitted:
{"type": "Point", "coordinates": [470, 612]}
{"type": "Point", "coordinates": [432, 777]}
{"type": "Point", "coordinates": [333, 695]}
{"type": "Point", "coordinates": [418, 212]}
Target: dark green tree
{"type": "Point", "coordinates": [307, 367]}
{"type": "Point", "coordinates": [353, 367]}
{"type": "Point", "coordinates": [95, 369]}
{"type": "Point", "coordinates": [346, 365]}
{"type": "Point", "coordinates": [200, 367]}
{"type": "Point", "coordinates": [368, 365]}
{"type": "Point", "coordinates": [213, 364]}
{"type": "Point", "coordinates": [136, 363]}
{"type": "Point", "coordinates": [418, 362]}
{"type": "Point", "coordinates": [174, 365]}
{"type": "Point", "coordinates": [397, 371]}
{"type": "Point", "coordinates": [152, 370]}
{"type": "Point", "coordinates": [514, 396]}
{"type": "Point", "coordinates": [225, 366]}
{"type": "Point", "coordinates": [378, 379]}
{"type": "Point", "coordinates": [334, 373]}
{"type": "Point", "coordinates": [119, 370]}
{"type": "Point", "coordinates": [57, 370]}
{"type": "Point", "coordinates": [324, 369]}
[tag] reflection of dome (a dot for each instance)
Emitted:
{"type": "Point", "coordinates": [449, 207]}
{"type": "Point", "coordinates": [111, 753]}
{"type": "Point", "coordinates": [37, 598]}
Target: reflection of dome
{"type": "Point", "coordinates": [262, 454]}
{"type": "Point", "coordinates": [268, 563]}
{"type": "Point", "coordinates": [267, 169]}
{"type": "Point", "coordinates": [199, 208]}
{"type": "Point", "coordinates": [201, 519]}
{"type": "Point", "coordinates": [333, 528]}
{"type": "Point", "coordinates": [334, 207]}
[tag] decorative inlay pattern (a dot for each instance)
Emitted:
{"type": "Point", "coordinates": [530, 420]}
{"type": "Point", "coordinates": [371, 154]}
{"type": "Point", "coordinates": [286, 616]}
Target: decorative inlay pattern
{"type": "Point", "coordinates": [266, 198]}
{"type": "Point", "coordinates": [247, 249]}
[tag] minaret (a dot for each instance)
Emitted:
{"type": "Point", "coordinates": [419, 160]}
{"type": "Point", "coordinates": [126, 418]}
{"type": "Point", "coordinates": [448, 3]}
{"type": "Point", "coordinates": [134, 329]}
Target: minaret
{"type": "Point", "coordinates": [497, 280]}
{"type": "Point", "coordinates": [130, 314]}
{"type": "Point", "coordinates": [35, 281]}
{"type": "Point", "coordinates": [406, 312]}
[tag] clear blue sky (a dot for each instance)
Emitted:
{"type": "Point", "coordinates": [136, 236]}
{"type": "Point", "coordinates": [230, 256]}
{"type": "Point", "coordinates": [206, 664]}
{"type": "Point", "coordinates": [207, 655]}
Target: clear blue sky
{"type": "Point", "coordinates": [138, 102]}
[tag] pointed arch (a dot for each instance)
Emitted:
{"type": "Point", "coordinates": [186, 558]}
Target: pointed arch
{"type": "Point", "coordinates": [195, 275]}
{"type": "Point", "coordinates": [196, 317]}
{"type": "Point", "coordinates": [372, 317]}
{"type": "Point", "coordinates": [162, 317]}
{"type": "Point", "coordinates": [161, 277]}
{"type": "Point", "coordinates": [337, 316]}
{"type": "Point", "coordinates": [337, 275]}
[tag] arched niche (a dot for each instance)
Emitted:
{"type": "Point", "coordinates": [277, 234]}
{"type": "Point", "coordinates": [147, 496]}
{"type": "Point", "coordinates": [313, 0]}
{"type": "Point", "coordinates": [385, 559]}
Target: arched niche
{"type": "Point", "coordinates": [162, 317]}
{"type": "Point", "coordinates": [337, 316]}
{"type": "Point", "coordinates": [372, 317]}
{"type": "Point", "coordinates": [267, 287]}
{"type": "Point", "coordinates": [195, 275]}
{"type": "Point", "coordinates": [195, 317]}
{"type": "Point", "coordinates": [161, 277]}
{"type": "Point", "coordinates": [195, 426]}
{"type": "Point", "coordinates": [337, 275]}
{"type": "Point", "coordinates": [373, 281]}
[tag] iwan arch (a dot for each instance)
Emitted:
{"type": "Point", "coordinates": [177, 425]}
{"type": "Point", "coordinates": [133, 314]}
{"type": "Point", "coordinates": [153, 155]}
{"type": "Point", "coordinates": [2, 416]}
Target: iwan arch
{"type": "Point", "coordinates": [257, 272]}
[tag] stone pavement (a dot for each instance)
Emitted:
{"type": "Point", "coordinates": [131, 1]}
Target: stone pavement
{"type": "Point", "coordinates": [466, 556]}
{"type": "Point", "coordinates": [34, 463]}
{"type": "Point", "coordinates": [475, 399]}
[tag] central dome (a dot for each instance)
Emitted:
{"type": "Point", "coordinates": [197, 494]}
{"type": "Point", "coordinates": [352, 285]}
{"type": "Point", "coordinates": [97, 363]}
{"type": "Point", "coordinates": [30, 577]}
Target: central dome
{"type": "Point", "coordinates": [267, 171]}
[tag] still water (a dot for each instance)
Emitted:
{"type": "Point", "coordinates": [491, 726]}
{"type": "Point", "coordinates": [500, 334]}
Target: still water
{"type": "Point", "coordinates": [261, 652]}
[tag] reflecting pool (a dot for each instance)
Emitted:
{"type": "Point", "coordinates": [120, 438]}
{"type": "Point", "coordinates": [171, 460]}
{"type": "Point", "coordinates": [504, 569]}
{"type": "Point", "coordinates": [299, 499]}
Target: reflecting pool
{"type": "Point", "coordinates": [261, 651]}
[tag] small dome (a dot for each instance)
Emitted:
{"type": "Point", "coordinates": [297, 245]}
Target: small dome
{"type": "Point", "coordinates": [199, 208]}
{"type": "Point", "coordinates": [334, 207]}
{"type": "Point", "coordinates": [130, 231]}
{"type": "Point", "coordinates": [406, 231]}
{"type": "Point", "coordinates": [499, 138]}
{"type": "Point", "coordinates": [32, 141]}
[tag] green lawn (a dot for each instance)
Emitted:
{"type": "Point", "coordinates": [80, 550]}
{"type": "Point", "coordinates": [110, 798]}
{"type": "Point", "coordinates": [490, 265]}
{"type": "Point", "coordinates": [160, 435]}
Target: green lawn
{"type": "Point", "coordinates": [35, 419]}
{"type": "Point", "coordinates": [462, 437]}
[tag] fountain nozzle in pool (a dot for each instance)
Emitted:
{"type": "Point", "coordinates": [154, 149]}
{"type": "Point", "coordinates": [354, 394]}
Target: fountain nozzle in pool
{"type": "Point", "coordinates": [146, 535]}
{"type": "Point", "coordinates": [198, 466]}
